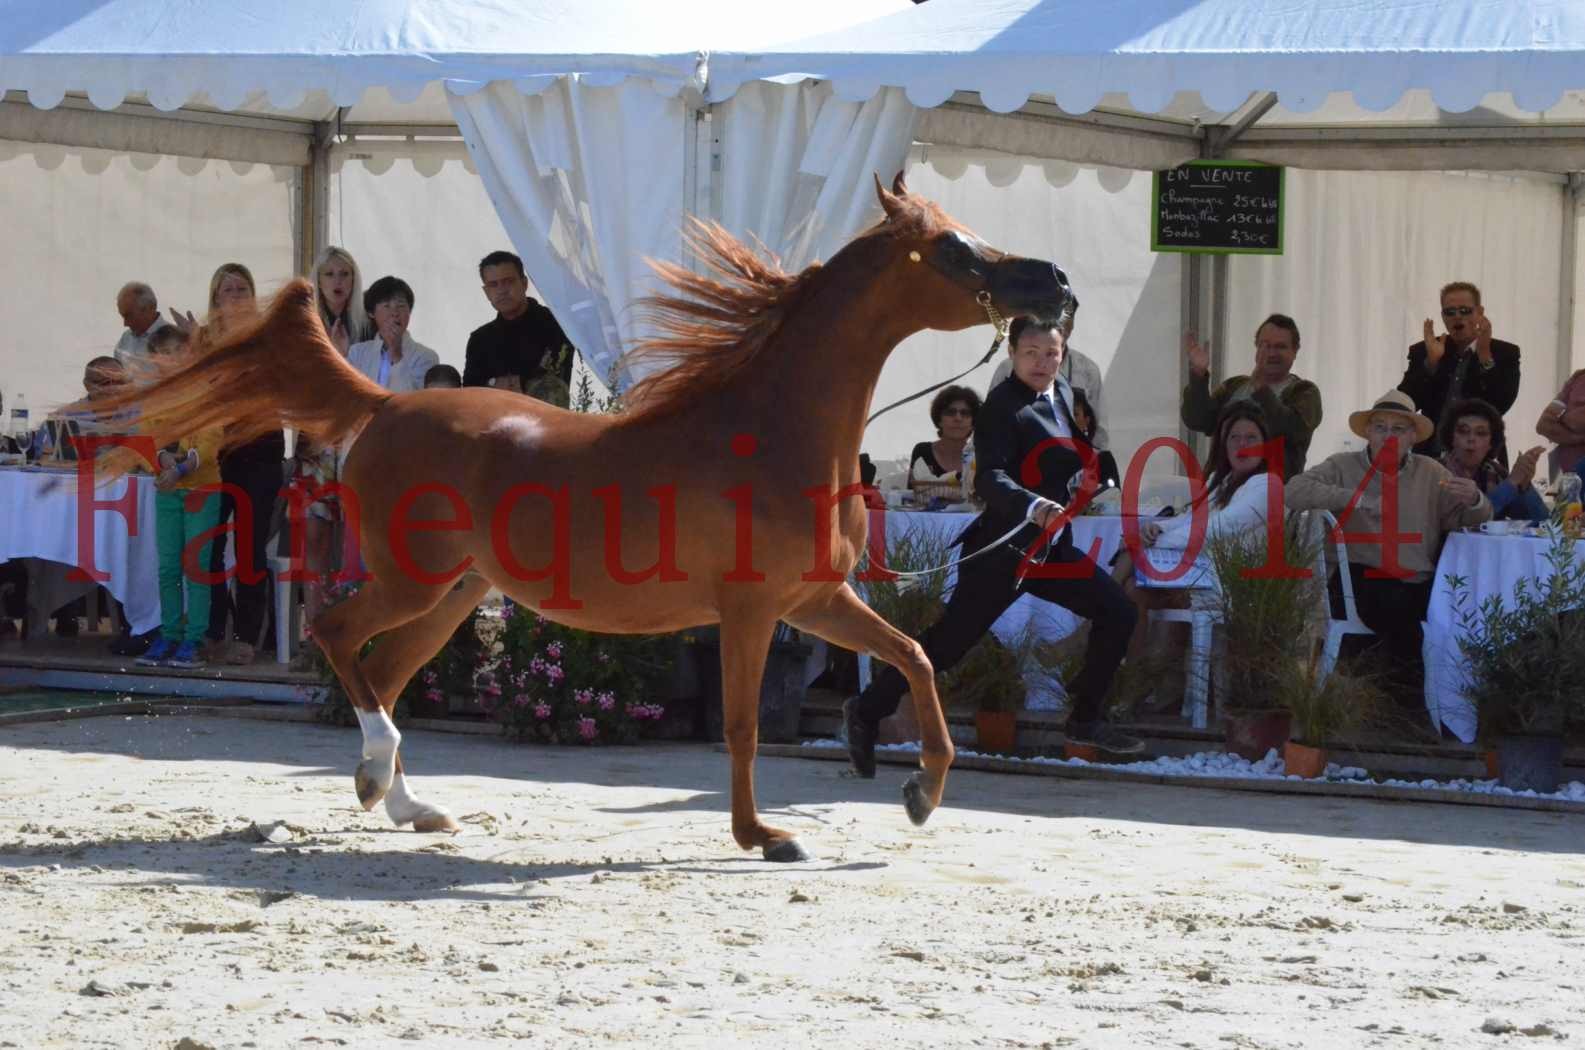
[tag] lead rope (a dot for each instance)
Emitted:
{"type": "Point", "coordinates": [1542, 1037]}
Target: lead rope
{"type": "Point", "coordinates": [909, 580]}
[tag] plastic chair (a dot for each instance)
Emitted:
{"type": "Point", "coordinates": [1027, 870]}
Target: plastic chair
{"type": "Point", "coordinates": [1351, 623]}
{"type": "Point", "coordinates": [1202, 615]}
{"type": "Point", "coordinates": [288, 615]}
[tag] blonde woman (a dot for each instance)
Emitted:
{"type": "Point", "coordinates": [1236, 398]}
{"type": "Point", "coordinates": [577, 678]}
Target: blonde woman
{"type": "Point", "coordinates": [338, 292]}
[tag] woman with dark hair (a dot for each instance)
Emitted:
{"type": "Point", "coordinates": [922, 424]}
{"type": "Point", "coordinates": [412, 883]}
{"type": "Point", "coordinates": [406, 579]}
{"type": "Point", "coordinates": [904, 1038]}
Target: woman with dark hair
{"type": "Point", "coordinates": [952, 412]}
{"type": "Point", "coordinates": [1471, 432]}
{"type": "Point", "coordinates": [1089, 424]}
{"type": "Point", "coordinates": [392, 358]}
{"type": "Point", "coordinates": [1236, 495]}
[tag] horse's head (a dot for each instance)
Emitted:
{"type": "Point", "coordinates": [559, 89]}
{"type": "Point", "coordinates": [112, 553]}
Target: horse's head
{"type": "Point", "coordinates": [956, 275]}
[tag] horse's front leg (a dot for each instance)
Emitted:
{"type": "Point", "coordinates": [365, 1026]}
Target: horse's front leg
{"type": "Point", "coordinates": [745, 641]}
{"type": "Point", "coordinates": [843, 619]}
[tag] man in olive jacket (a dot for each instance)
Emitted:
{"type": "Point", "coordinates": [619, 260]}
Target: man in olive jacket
{"type": "Point", "coordinates": [1292, 405]}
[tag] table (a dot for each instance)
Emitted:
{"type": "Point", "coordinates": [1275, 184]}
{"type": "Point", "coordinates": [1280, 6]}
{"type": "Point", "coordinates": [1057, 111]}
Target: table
{"type": "Point", "coordinates": [1051, 622]}
{"type": "Point", "coordinates": [38, 520]}
{"type": "Point", "coordinates": [1492, 565]}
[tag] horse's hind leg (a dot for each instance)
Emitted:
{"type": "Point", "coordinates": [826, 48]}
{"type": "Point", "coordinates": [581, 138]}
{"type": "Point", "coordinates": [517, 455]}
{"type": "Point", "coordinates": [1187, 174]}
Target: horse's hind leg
{"type": "Point", "coordinates": [341, 632]}
{"type": "Point", "coordinates": [745, 641]}
{"type": "Point", "coordinates": [843, 619]}
{"type": "Point", "coordinates": [392, 664]}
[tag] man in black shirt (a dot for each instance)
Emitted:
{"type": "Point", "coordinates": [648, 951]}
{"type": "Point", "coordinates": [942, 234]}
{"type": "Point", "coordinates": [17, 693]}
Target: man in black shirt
{"type": "Point", "coordinates": [523, 349]}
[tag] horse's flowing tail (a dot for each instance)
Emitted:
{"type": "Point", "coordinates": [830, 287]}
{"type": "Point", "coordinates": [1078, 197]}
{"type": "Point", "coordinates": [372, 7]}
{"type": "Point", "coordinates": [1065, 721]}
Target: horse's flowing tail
{"type": "Point", "coordinates": [278, 369]}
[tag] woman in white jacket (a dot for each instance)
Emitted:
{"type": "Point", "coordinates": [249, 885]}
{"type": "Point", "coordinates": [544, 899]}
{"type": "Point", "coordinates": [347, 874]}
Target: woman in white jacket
{"type": "Point", "coordinates": [393, 358]}
{"type": "Point", "coordinates": [1238, 498]}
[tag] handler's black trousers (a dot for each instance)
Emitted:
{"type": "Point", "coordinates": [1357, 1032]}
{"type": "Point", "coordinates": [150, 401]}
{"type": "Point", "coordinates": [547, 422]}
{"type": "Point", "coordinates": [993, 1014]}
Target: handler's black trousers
{"type": "Point", "coordinates": [984, 591]}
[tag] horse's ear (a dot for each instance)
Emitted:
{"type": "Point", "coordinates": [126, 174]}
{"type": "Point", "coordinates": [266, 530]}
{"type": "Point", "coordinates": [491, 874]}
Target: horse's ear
{"type": "Point", "coordinates": [889, 203]}
{"type": "Point", "coordinates": [898, 186]}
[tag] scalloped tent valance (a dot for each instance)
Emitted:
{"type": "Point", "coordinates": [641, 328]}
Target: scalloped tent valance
{"type": "Point", "coordinates": [1009, 51]}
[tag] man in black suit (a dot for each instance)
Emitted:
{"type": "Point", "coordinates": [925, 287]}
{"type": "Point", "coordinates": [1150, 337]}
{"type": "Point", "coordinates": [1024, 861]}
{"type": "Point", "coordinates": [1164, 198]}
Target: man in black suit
{"type": "Point", "coordinates": [523, 349]}
{"type": "Point", "coordinates": [1466, 362]}
{"type": "Point", "coordinates": [1024, 458]}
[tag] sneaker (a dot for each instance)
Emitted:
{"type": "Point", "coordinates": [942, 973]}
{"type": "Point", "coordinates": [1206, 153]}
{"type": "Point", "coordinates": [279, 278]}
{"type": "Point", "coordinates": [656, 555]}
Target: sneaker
{"type": "Point", "coordinates": [157, 653]}
{"type": "Point", "coordinates": [861, 736]}
{"type": "Point", "coordinates": [186, 655]}
{"type": "Point", "coordinates": [1103, 737]}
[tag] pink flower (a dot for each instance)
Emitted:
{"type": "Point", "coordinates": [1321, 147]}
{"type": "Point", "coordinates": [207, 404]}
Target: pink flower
{"type": "Point", "coordinates": [607, 701]}
{"type": "Point", "coordinates": [434, 696]}
{"type": "Point", "coordinates": [554, 649]}
{"type": "Point", "coordinates": [542, 711]}
{"type": "Point", "coordinates": [587, 729]}
{"type": "Point", "coordinates": [521, 699]}
{"type": "Point", "coordinates": [584, 696]}
{"type": "Point", "coordinates": [537, 665]}
{"type": "Point", "coordinates": [429, 676]}
{"type": "Point", "coordinates": [555, 674]}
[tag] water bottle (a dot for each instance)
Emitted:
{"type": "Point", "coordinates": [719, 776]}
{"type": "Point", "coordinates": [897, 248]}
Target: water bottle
{"type": "Point", "coordinates": [966, 473]}
{"type": "Point", "coordinates": [1567, 506]}
{"type": "Point", "coordinates": [21, 430]}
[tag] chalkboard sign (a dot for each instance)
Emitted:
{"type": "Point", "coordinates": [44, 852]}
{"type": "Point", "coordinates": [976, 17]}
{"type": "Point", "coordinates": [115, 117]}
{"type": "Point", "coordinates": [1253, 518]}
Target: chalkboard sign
{"type": "Point", "coordinates": [1224, 206]}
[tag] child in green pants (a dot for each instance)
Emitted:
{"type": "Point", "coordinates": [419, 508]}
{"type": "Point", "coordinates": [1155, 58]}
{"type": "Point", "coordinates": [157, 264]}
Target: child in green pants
{"type": "Point", "coordinates": [183, 467]}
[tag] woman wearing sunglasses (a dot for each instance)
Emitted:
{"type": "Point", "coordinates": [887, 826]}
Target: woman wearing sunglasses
{"type": "Point", "coordinates": [1463, 362]}
{"type": "Point", "coordinates": [952, 412]}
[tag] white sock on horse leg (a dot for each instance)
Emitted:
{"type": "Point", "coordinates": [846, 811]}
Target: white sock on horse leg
{"type": "Point", "coordinates": [403, 808]}
{"type": "Point", "coordinates": [380, 737]}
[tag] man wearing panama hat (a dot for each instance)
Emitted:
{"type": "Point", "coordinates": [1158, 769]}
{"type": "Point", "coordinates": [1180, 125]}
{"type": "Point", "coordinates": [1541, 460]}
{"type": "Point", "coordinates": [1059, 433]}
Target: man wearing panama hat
{"type": "Point", "coordinates": [1392, 581]}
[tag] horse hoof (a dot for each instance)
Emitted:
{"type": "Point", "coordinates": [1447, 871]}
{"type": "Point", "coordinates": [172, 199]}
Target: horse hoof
{"type": "Point", "coordinates": [439, 820]}
{"type": "Point", "coordinates": [916, 802]}
{"type": "Point", "coordinates": [370, 791]}
{"type": "Point", "coordinates": [786, 851]}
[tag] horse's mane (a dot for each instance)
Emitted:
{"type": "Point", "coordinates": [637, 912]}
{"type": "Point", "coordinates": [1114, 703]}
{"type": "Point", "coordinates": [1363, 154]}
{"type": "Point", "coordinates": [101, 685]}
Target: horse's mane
{"type": "Point", "coordinates": [717, 322]}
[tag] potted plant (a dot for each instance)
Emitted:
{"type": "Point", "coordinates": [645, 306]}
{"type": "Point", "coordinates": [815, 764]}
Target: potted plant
{"type": "Point", "coordinates": [990, 677]}
{"type": "Point", "coordinates": [1323, 710]}
{"type": "Point", "coordinates": [1267, 623]}
{"type": "Point", "coordinates": [1525, 662]}
{"type": "Point", "coordinates": [782, 687]}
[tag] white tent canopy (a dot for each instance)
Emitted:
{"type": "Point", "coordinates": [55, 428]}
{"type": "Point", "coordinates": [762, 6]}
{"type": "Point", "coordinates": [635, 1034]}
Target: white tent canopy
{"type": "Point", "coordinates": [1009, 51]}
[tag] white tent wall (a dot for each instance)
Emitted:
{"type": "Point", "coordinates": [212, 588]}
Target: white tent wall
{"type": "Point", "coordinates": [429, 230]}
{"type": "Point", "coordinates": [80, 223]}
{"type": "Point", "coordinates": [1095, 224]}
{"type": "Point", "coordinates": [1365, 255]}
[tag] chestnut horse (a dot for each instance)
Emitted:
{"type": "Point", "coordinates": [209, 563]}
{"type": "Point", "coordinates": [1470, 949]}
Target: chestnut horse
{"type": "Point", "coordinates": [731, 478]}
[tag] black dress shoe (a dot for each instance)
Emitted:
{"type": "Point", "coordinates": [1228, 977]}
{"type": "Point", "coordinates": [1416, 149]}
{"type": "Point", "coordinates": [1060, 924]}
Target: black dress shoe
{"type": "Point", "coordinates": [1103, 737]}
{"type": "Point", "coordinates": [861, 738]}
{"type": "Point", "coordinates": [66, 627]}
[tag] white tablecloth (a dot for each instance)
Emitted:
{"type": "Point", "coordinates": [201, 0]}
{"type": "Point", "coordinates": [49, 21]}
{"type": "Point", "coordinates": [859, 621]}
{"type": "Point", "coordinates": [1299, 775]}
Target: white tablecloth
{"type": "Point", "coordinates": [38, 519]}
{"type": "Point", "coordinates": [1050, 621]}
{"type": "Point", "coordinates": [1491, 565]}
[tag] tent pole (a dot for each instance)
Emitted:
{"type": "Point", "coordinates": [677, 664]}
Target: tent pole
{"type": "Point", "coordinates": [1568, 278]}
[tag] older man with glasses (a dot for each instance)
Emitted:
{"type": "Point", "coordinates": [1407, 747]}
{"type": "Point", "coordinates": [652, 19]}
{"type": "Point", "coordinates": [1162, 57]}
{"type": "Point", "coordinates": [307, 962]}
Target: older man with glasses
{"type": "Point", "coordinates": [1463, 362]}
{"type": "Point", "coordinates": [1392, 549]}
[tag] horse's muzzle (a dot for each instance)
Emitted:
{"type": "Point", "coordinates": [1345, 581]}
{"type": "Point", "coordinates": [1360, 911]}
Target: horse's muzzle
{"type": "Point", "coordinates": [1031, 286]}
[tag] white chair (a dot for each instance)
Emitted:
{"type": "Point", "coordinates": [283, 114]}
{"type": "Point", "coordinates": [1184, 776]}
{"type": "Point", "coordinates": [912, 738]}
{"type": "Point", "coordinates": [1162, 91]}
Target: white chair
{"type": "Point", "coordinates": [288, 617]}
{"type": "Point", "coordinates": [1202, 615]}
{"type": "Point", "coordinates": [1351, 623]}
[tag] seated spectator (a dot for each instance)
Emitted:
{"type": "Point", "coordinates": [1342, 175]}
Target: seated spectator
{"type": "Point", "coordinates": [101, 376]}
{"type": "Point", "coordinates": [1465, 362]}
{"type": "Point", "coordinates": [1236, 497]}
{"type": "Point", "coordinates": [1470, 433]}
{"type": "Point", "coordinates": [444, 377]}
{"type": "Point", "coordinates": [1083, 376]}
{"type": "Point", "coordinates": [1430, 502]}
{"type": "Point", "coordinates": [523, 348]}
{"type": "Point", "coordinates": [1292, 405]}
{"type": "Point", "coordinates": [393, 358]}
{"type": "Point", "coordinates": [1563, 421]}
{"type": "Point", "coordinates": [952, 412]}
{"type": "Point", "coordinates": [140, 312]}
{"type": "Point", "coordinates": [1089, 425]}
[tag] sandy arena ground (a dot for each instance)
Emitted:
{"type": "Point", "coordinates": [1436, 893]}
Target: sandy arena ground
{"type": "Point", "coordinates": [595, 899]}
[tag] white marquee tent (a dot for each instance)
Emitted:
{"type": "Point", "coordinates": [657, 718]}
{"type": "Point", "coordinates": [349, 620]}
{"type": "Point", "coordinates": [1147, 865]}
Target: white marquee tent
{"type": "Point", "coordinates": [155, 138]}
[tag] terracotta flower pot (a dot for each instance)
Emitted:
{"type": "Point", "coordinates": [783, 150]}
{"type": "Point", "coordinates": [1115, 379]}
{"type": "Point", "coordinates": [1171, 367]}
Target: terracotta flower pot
{"type": "Point", "coordinates": [996, 732]}
{"type": "Point", "coordinates": [1088, 752]}
{"type": "Point", "coordinates": [1251, 734]}
{"type": "Point", "coordinates": [1303, 760]}
{"type": "Point", "coordinates": [1493, 767]}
